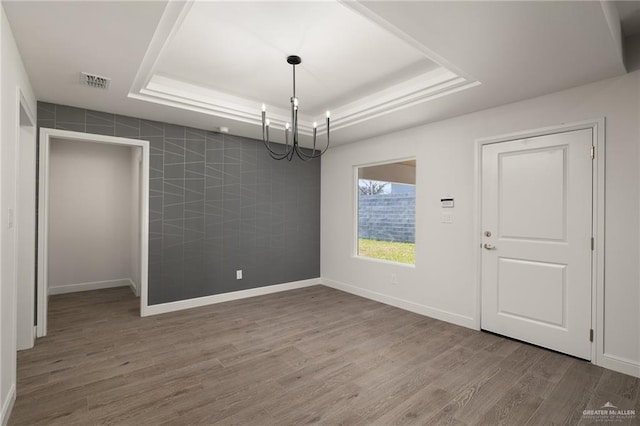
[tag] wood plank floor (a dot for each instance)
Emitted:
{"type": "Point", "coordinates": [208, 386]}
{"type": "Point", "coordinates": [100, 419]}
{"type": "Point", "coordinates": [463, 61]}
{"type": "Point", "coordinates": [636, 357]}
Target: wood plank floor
{"type": "Point", "coordinates": [314, 355]}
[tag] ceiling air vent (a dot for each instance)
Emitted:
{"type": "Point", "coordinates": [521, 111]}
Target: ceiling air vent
{"type": "Point", "coordinates": [95, 81]}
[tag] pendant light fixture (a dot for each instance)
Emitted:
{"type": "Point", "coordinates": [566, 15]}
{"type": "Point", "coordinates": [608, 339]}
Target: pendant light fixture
{"type": "Point", "coordinates": [291, 146]}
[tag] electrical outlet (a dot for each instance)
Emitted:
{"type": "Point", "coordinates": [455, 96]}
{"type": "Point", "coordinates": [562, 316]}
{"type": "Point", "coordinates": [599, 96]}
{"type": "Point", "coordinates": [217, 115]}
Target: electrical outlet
{"type": "Point", "coordinates": [239, 274]}
{"type": "Point", "coordinates": [394, 279]}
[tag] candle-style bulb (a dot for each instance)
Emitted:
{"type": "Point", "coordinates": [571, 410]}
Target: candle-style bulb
{"type": "Point", "coordinates": [264, 107]}
{"type": "Point", "coordinates": [267, 122]}
{"type": "Point", "coordinates": [315, 124]}
{"type": "Point", "coordinates": [286, 126]}
{"type": "Point", "coordinates": [328, 114]}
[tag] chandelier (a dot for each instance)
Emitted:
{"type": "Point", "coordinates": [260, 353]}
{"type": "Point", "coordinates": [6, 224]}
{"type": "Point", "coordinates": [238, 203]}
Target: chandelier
{"type": "Point", "coordinates": [291, 146]}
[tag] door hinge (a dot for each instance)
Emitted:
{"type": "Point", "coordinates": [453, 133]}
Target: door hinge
{"type": "Point", "coordinates": [593, 152]}
{"type": "Point", "coordinates": [593, 243]}
{"type": "Point", "coordinates": [591, 335]}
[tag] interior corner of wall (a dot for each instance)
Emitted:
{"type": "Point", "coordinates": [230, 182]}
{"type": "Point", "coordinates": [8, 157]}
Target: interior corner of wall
{"type": "Point", "coordinates": [631, 47]}
{"type": "Point", "coordinates": [7, 405]}
{"type": "Point", "coordinates": [135, 287]}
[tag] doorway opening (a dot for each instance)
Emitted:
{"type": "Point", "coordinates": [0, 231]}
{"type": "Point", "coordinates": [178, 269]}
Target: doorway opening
{"type": "Point", "coordinates": [93, 215]}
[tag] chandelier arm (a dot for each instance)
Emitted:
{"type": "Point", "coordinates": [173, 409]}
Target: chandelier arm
{"type": "Point", "coordinates": [315, 153]}
{"type": "Point", "coordinates": [315, 134]}
{"type": "Point", "coordinates": [278, 158]}
{"type": "Point", "coordinates": [293, 151]}
{"type": "Point", "coordinates": [286, 138]}
{"type": "Point", "coordinates": [278, 155]}
{"type": "Point", "coordinates": [320, 153]}
{"type": "Point", "coordinates": [275, 154]}
{"type": "Point", "coordinates": [306, 157]}
{"type": "Point", "coordinates": [267, 143]}
{"type": "Point", "coordinates": [303, 156]}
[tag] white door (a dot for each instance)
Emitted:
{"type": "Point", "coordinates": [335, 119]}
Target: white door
{"type": "Point", "coordinates": [536, 255]}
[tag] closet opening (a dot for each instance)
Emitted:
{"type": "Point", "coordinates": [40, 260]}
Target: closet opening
{"type": "Point", "coordinates": [93, 217]}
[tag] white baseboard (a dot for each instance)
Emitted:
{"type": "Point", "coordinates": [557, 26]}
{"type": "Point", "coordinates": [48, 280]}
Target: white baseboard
{"type": "Point", "coordinates": [95, 285]}
{"type": "Point", "coordinates": [7, 405]}
{"type": "Point", "coordinates": [225, 297]}
{"type": "Point", "coordinates": [619, 364]}
{"type": "Point", "coordinates": [428, 311]}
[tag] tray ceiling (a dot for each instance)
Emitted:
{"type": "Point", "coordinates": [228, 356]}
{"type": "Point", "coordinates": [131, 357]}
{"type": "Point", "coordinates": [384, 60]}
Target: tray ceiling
{"type": "Point", "coordinates": [344, 55]}
{"type": "Point", "coordinates": [226, 59]}
{"type": "Point", "coordinates": [379, 66]}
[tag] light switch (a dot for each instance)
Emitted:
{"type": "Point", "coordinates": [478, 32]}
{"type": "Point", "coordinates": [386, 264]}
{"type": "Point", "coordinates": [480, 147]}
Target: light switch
{"type": "Point", "coordinates": [447, 203]}
{"type": "Point", "coordinates": [239, 274]}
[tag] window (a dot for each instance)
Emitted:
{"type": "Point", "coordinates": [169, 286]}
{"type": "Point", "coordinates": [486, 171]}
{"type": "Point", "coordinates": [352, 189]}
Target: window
{"type": "Point", "coordinates": [387, 212]}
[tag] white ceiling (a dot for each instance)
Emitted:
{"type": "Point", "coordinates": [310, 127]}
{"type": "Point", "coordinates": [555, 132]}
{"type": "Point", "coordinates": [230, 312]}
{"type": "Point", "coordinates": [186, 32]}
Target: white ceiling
{"type": "Point", "coordinates": [334, 42]}
{"type": "Point", "coordinates": [379, 66]}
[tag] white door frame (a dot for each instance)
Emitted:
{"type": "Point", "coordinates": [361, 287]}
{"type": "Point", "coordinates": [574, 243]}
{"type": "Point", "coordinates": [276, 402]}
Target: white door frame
{"type": "Point", "coordinates": [43, 217]}
{"type": "Point", "coordinates": [25, 335]}
{"type": "Point", "coordinates": [597, 127]}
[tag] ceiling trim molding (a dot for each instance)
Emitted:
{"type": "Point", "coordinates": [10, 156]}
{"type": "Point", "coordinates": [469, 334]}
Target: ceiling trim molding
{"type": "Point", "coordinates": [171, 92]}
{"type": "Point", "coordinates": [428, 86]}
{"type": "Point", "coordinates": [172, 18]}
{"type": "Point", "coordinates": [176, 93]}
{"type": "Point", "coordinates": [150, 86]}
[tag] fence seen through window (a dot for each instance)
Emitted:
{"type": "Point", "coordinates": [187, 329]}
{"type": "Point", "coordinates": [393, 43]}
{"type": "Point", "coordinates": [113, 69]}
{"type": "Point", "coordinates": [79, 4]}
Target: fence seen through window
{"type": "Point", "coordinates": [387, 211]}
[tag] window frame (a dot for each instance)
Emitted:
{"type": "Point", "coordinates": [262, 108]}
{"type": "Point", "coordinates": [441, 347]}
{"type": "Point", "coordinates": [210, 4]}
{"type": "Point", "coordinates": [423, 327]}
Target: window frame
{"type": "Point", "coordinates": [356, 213]}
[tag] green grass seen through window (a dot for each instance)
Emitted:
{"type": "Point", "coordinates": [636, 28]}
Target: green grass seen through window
{"type": "Point", "coordinates": [387, 250]}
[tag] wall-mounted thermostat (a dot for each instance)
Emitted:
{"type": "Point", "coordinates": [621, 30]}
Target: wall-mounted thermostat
{"type": "Point", "coordinates": [446, 203]}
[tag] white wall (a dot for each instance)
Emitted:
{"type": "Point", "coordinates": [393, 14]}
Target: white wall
{"type": "Point", "coordinates": [13, 77]}
{"type": "Point", "coordinates": [91, 212]}
{"type": "Point", "coordinates": [443, 282]}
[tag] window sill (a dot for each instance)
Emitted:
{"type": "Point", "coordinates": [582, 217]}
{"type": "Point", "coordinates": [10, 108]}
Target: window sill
{"type": "Point", "coordinates": [388, 262]}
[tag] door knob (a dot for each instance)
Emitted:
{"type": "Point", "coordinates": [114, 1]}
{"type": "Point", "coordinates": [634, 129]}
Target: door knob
{"type": "Point", "coordinates": [489, 246]}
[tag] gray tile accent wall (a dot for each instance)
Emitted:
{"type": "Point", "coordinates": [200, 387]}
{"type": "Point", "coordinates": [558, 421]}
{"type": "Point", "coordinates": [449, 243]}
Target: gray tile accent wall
{"type": "Point", "coordinates": [218, 203]}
